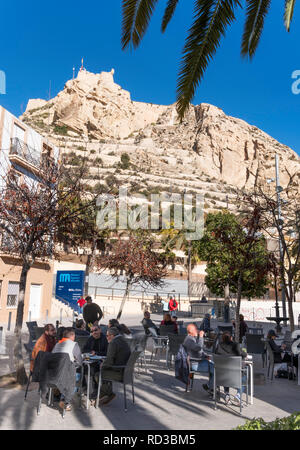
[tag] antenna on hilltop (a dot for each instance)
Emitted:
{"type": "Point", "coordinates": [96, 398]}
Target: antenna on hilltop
{"type": "Point", "coordinates": [81, 68]}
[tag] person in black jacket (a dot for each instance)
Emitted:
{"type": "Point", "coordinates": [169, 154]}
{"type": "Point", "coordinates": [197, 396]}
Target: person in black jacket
{"type": "Point", "coordinates": [279, 352]}
{"type": "Point", "coordinates": [96, 345]}
{"type": "Point", "coordinates": [228, 347]}
{"type": "Point", "coordinates": [147, 323]}
{"type": "Point", "coordinates": [92, 312]}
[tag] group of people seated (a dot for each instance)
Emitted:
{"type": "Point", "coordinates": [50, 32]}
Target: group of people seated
{"type": "Point", "coordinates": [113, 345]}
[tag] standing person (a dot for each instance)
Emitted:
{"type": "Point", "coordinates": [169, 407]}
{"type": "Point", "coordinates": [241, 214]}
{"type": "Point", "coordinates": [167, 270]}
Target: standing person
{"type": "Point", "coordinates": [81, 302]}
{"type": "Point", "coordinates": [45, 343]}
{"type": "Point", "coordinates": [92, 313]}
{"type": "Point", "coordinates": [165, 306]}
{"type": "Point", "coordinates": [226, 309]}
{"type": "Point", "coordinates": [243, 327]}
{"type": "Point", "coordinates": [173, 305]}
{"type": "Point", "coordinates": [118, 354]}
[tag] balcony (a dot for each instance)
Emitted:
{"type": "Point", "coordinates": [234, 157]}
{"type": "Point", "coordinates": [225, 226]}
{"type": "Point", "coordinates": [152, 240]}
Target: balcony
{"type": "Point", "coordinates": [24, 155]}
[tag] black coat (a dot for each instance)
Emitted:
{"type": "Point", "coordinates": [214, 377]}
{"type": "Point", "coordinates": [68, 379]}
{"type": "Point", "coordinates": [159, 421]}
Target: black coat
{"type": "Point", "coordinates": [99, 346]}
{"type": "Point", "coordinates": [55, 369]}
{"type": "Point", "coordinates": [118, 353]}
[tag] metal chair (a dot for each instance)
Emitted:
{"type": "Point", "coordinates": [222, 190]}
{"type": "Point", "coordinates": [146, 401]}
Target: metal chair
{"type": "Point", "coordinates": [81, 340]}
{"type": "Point", "coordinates": [128, 377]}
{"type": "Point", "coordinates": [174, 342]}
{"type": "Point", "coordinates": [255, 344]}
{"type": "Point", "coordinates": [38, 332]}
{"type": "Point", "coordinates": [159, 342]}
{"type": "Point", "coordinates": [228, 372]}
{"type": "Point", "coordinates": [139, 343]}
{"type": "Point", "coordinates": [259, 331]}
{"type": "Point", "coordinates": [192, 372]}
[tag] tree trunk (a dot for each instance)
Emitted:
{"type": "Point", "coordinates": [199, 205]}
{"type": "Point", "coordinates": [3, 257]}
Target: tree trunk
{"type": "Point", "coordinates": [238, 306]}
{"type": "Point", "coordinates": [18, 355]}
{"type": "Point", "coordinates": [88, 265]}
{"type": "Point", "coordinates": [128, 284]}
{"type": "Point", "coordinates": [290, 305]}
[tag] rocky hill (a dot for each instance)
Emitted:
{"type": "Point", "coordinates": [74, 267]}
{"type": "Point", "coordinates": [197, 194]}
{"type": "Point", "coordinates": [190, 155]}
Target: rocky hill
{"type": "Point", "coordinates": [145, 145]}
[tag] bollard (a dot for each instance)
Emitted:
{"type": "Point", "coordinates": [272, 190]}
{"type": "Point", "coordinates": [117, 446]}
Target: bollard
{"type": "Point", "coordinates": [2, 346]}
{"type": "Point", "coordinates": [9, 321]}
{"type": "Point", "coordinates": [46, 316]}
{"type": "Point", "coordinates": [60, 317]}
{"type": "Point", "coordinates": [1, 334]}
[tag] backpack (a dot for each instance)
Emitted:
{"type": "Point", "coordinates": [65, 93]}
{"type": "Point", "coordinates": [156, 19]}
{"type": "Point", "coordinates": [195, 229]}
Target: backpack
{"type": "Point", "coordinates": [181, 365]}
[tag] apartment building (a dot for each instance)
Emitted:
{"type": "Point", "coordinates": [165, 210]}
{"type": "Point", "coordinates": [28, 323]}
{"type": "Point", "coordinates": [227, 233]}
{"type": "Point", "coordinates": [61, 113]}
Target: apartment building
{"type": "Point", "coordinates": [20, 150]}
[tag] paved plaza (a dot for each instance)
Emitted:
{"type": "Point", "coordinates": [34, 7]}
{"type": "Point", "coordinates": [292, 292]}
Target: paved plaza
{"type": "Point", "coordinates": [161, 402]}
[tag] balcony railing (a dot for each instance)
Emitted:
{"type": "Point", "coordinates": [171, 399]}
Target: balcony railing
{"type": "Point", "coordinates": [23, 151]}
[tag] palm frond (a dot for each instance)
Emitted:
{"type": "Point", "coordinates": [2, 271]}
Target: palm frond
{"type": "Point", "coordinates": [168, 14]}
{"type": "Point", "coordinates": [136, 15]}
{"type": "Point", "coordinates": [256, 13]}
{"type": "Point", "coordinates": [288, 13]}
{"type": "Point", "coordinates": [211, 18]}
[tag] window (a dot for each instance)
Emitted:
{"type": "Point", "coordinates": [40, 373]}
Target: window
{"type": "Point", "coordinates": [12, 294]}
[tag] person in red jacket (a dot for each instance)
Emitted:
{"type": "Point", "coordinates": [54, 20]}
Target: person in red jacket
{"type": "Point", "coordinates": [81, 302]}
{"type": "Point", "coordinates": [173, 306]}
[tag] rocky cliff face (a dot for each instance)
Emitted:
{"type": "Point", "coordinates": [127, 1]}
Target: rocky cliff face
{"type": "Point", "coordinates": [208, 152]}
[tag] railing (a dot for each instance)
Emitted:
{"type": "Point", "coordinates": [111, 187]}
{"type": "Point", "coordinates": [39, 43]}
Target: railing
{"type": "Point", "coordinates": [24, 151]}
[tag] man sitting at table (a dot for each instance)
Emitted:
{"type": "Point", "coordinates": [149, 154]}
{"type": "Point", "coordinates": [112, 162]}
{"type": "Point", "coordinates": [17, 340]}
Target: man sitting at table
{"type": "Point", "coordinates": [68, 345]}
{"type": "Point", "coordinates": [148, 323]}
{"type": "Point", "coordinates": [96, 345]}
{"type": "Point", "coordinates": [45, 343]}
{"type": "Point", "coordinates": [193, 345]}
{"type": "Point", "coordinates": [118, 354]}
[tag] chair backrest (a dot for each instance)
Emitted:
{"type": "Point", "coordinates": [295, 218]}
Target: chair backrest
{"type": "Point", "coordinates": [175, 340]}
{"type": "Point", "coordinates": [152, 332]}
{"type": "Point", "coordinates": [259, 331]}
{"type": "Point", "coordinates": [269, 352]}
{"type": "Point", "coordinates": [254, 343]}
{"type": "Point", "coordinates": [228, 371]}
{"type": "Point", "coordinates": [128, 372]}
{"type": "Point", "coordinates": [222, 328]}
{"type": "Point", "coordinates": [138, 342]}
{"type": "Point", "coordinates": [31, 326]}
{"type": "Point", "coordinates": [81, 340]}
{"type": "Point", "coordinates": [165, 330]}
{"type": "Point", "coordinates": [38, 331]}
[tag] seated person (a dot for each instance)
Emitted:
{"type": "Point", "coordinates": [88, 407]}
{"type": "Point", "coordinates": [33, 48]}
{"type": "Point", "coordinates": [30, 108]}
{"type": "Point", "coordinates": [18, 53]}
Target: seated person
{"type": "Point", "coordinates": [193, 345]}
{"type": "Point", "coordinates": [80, 328]}
{"type": "Point", "coordinates": [45, 343]}
{"type": "Point", "coordinates": [124, 330]}
{"type": "Point", "coordinates": [113, 323]}
{"type": "Point", "coordinates": [203, 299]}
{"type": "Point", "coordinates": [279, 351]}
{"type": "Point", "coordinates": [96, 345]}
{"type": "Point", "coordinates": [68, 345]}
{"type": "Point", "coordinates": [228, 347]}
{"type": "Point", "coordinates": [168, 322]}
{"type": "Point", "coordinates": [118, 354]}
{"type": "Point", "coordinates": [147, 323]}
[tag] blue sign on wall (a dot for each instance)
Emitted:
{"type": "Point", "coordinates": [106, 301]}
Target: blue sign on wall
{"type": "Point", "coordinates": [69, 286]}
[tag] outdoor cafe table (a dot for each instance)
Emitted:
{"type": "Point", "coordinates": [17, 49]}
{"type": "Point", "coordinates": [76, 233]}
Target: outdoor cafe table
{"type": "Point", "coordinates": [87, 362]}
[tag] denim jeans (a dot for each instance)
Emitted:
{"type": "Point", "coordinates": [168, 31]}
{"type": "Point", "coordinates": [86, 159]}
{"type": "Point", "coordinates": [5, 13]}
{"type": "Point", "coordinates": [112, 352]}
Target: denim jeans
{"type": "Point", "coordinates": [205, 366]}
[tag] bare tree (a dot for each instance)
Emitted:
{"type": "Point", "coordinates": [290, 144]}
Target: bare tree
{"type": "Point", "coordinates": [137, 260]}
{"type": "Point", "coordinates": [37, 212]}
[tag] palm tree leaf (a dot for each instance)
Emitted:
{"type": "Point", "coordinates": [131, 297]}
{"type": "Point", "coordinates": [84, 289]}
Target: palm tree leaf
{"type": "Point", "coordinates": [211, 19]}
{"type": "Point", "coordinates": [288, 13]}
{"type": "Point", "coordinates": [136, 15]}
{"type": "Point", "coordinates": [257, 11]}
{"type": "Point", "coordinates": [168, 14]}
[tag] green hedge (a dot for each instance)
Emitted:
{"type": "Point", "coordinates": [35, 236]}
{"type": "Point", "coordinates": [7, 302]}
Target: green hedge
{"type": "Point", "coordinates": [286, 423]}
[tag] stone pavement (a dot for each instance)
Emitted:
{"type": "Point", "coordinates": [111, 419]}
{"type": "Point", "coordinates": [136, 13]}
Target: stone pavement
{"type": "Point", "coordinates": [161, 404]}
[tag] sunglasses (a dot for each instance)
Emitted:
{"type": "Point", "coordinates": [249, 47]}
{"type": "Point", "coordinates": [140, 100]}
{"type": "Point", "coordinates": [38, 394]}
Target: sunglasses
{"type": "Point", "coordinates": [94, 331]}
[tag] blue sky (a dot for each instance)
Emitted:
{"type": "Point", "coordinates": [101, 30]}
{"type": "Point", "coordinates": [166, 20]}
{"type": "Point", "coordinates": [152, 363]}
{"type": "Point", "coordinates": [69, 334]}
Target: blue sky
{"type": "Point", "coordinates": [42, 41]}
